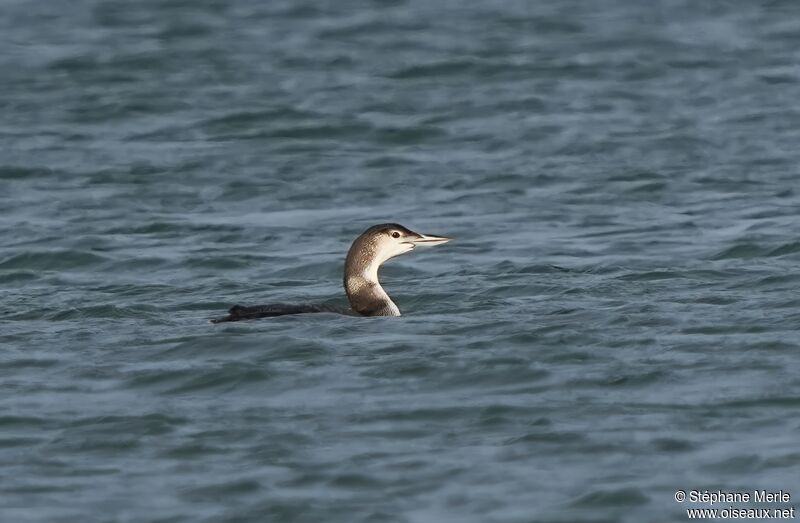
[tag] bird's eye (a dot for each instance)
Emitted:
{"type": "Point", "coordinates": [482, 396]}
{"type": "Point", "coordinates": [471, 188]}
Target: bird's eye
{"type": "Point", "coordinates": [395, 234]}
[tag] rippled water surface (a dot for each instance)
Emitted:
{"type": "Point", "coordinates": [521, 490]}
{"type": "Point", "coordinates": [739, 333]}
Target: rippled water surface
{"type": "Point", "coordinates": [617, 317]}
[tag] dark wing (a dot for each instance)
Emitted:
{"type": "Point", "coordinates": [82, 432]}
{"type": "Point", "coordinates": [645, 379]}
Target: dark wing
{"type": "Point", "coordinates": [239, 312]}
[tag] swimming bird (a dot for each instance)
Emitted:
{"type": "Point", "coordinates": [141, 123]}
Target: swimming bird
{"type": "Point", "coordinates": [369, 251]}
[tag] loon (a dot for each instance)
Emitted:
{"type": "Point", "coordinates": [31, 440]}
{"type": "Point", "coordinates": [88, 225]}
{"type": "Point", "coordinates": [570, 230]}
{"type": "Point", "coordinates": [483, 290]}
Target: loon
{"type": "Point", "coordinates": [376, 245]}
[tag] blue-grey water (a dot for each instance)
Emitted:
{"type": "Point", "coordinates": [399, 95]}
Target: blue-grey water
{"type": "Point", "coordinates": [616, 319]}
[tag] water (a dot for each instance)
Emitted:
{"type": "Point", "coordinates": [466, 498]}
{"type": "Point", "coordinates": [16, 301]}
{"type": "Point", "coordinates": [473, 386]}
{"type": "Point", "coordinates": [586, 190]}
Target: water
{"type": "Point", "coordinates": [616, 319]}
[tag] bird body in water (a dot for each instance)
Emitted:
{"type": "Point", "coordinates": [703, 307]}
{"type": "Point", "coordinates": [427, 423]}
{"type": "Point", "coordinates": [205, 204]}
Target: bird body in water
{"type": "Point", "coordinates": [369, 251]}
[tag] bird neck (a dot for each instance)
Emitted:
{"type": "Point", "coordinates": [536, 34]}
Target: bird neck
{"type": "Point", "coordinates": [364, 291]}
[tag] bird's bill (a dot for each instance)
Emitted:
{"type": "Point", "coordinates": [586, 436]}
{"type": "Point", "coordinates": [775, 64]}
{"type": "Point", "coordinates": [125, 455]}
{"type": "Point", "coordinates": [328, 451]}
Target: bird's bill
{"type": "Point", "coordinates": [429, 240]}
